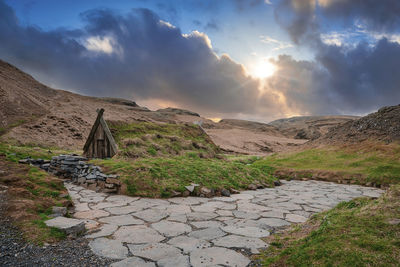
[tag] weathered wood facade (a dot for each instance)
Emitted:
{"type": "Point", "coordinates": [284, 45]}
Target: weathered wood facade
{"type": "Point", "coordinates": [100, 143]}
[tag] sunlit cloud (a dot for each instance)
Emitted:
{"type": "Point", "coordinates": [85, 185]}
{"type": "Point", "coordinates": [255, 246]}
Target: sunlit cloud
{"type": "Point", "coordinates": [279, 45]}
{"type": "Point", "coordinates": [100, 44]}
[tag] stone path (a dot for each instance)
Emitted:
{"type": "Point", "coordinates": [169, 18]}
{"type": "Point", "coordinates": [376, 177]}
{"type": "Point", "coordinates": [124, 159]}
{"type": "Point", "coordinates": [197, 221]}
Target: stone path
{"type": "Point", "coordinates": [192, 231]}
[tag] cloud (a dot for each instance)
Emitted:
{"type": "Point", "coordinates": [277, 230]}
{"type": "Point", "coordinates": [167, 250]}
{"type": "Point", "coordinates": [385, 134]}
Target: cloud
{"type": "Point", "coordinates": [135, 55]}
{"type": "Point", "coordinates": [279, 45]}
{"type": "Point", "coordinates": [353, 71]}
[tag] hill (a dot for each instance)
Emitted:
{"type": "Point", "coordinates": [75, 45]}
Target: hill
{"type": "Point", "coordinates": [383, 125]}
{"type": "Point", "coordinates": [33, 113]}
{"type": "Point", "coordinates": [309, 127]}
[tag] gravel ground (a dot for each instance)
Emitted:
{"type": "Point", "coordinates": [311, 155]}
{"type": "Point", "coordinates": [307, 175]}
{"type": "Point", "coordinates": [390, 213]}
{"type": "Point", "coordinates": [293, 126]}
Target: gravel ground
{"type": "Point", "coordinates": [14, 251]}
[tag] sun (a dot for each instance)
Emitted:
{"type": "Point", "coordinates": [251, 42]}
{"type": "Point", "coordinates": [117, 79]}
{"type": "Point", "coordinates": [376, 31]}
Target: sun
{"type": "Point", "coordinates": [263, 69]}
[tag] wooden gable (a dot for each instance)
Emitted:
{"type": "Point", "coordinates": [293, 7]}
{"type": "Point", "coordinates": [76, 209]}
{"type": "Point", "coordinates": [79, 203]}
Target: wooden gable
{"type": "Point", "coordinates": [100, 142]}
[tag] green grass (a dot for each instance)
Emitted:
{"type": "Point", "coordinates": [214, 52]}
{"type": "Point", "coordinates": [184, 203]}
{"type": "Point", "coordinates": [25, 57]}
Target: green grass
{"type": "Point", "coordinates": [14, 152]}
{"type": "Point", "coordinates": [355, 233]}
{"type": "Point", "coordinates": [158, 177]}
{"type": "Point", "coordinates": [146, 139]}
{"type": "Point", "coordinates": [378, 166]}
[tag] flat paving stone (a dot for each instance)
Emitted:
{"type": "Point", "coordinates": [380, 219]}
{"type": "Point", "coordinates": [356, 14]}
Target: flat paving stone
{"type": "Point", "coordinates": [207, 224]}
{"type": "Point", "coordinates": [188, 244]}
{"type": "Point", "coordinates": [273, 214]}
{"type": "Point", "coordinates": [151, 215]}
{"type": "Point", "coordinates": [81, 207]}
{"type": "Point", "coordinates": [171, 229]}
{"type": "Point", "coordinates": [180, 261]}
{"type": "Point", "coordinates": [137, 234]}
{"type": "Point", "coordinates": [123, 210]}
{"type": "Point", "coordinates": [133, 262]}
{"type": "Point", "coordinates": [295, 218]}
{"type": "Point", "coordinates": [207, 233]}
{"type": "Point", "coordinates": [121, 220]}
{"type": "Point", "coordinates": [272, 222]}
{"type": "Point", "coordinates": [201, 216]}
{"type": "Point", "coordinates": [108, 248]}
{"type": "Point", "coordinates": [178, 209]}
{"type": "Point", "coordinates": [177, 218]}
{"type": "Point", "coordinates": [155, 252]}
{"type": "Point", "coordinates": [246, 215]}
{"type": "Point", "coordinates": [204, 227]}
{"type": "Point", "coordinates": [91, 214]}
{"type": "Point", "coordinates": [67, 225]}
{"type": "Point", "coordinates": [217, 256]}
{"type": "Point", "coordinates": [246, 231]}
{"type": "Point", "coordinates": [105, 230]}
{"type": "Point", "coordinates": [235, 241]}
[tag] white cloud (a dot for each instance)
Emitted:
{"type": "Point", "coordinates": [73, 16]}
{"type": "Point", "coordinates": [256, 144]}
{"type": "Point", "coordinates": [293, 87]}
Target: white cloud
{"type": "Point", "coordinates": [334, 38]}
{"type": "Point", "coordinates": [100, 44]}
{"type": "Point", "coordinates": [279, 45]}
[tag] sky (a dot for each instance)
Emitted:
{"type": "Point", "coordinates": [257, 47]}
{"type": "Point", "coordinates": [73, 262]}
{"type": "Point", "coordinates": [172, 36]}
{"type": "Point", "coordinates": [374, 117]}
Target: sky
{"type": "Point", "coordinates": [248, 59]}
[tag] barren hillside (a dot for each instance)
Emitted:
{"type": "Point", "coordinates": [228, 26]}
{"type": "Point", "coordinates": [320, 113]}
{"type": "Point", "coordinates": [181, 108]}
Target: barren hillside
{"type": "Point", "coordinates": [383, 125]}
{"type": "Point", "coordinates": [309, 127]}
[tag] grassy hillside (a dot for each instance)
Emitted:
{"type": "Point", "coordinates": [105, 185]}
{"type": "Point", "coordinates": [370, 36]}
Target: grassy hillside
{"type": "Point", "coordinates": [373, 163]}
{"type": "Point", "coordinates": [30, 196]}
{"type": "Point", "coordinates": [362, 232]}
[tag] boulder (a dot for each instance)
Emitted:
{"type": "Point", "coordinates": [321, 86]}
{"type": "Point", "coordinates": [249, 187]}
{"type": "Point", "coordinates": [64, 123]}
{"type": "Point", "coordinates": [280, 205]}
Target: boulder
{"type": "Point", "coordinates": [70, 226]}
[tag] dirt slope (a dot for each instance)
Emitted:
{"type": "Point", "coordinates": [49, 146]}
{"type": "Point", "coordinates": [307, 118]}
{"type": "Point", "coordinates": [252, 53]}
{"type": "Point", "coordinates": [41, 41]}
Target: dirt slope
{"type": "Point", "coordinates": [309, 127]}
{"type": "Point", "coordinates": [383, 125]}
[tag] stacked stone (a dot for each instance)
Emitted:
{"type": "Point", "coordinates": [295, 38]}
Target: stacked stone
{"type": "Point", "coordinates": [77, 169]}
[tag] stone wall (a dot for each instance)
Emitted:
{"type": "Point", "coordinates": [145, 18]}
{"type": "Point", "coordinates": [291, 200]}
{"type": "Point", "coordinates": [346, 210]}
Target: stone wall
{"type": "Point", "coordinates": [80, 172]}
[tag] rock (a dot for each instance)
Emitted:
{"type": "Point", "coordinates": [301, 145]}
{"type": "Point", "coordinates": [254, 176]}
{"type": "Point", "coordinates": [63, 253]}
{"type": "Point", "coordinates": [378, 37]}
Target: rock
{"type": "Point", "coordinates": [69, 226]}
{"type": "Point", "coordinates": [108, 248]}
{"type": "Point", "coordinates": [188, 244]}
{"type": "Point", "coordinates": [252, 187]}
{"type": "Point", "coordinates": [180, 261]}
{"type": "Point", "coordinates": [133, 261]}
{"type": "Point", "coordinates": [58, 211]}
{"type": "Point", "coordinates": [235, 241]}
{"type": "Point", "coordinates": [121, 220]}
{"type": "Point", "coordinates": [190, 188]}
{"type": "Point", "coordinates": [155, 252]}
{"type": "Point", "coordinates": [246, 231]}
{"type": "Point", "coordinates": [225, 192]}
{"type": "Point", "coordinates": [171, 229]}
{"type": "Point", "coordinates": [207, 224]}
{"type": "Point", "coordinates": [110, 186]}
{"type": "Point", "coordinates": [207, 233]}
{"type": "Point", "coordinates": [137, 234]}
{"type": "Point", "coordinates": [151, 215]}
{"type": "Point", "coordinates": [186, 193]}
{"type": "Point", "coordinates": [217, 256]}
{"type": "Point", "coordinates": [234, 191]}
{"type": "Point", "coordinates": [294, 218]}
{"type": "Point", "coordinates": [201, 216]}
{"type": "Point", "coordinates": [105, 230]}
{"type": "Point", "coordinates": [91, 214]}
{"type": "Point", "coordinates": [205, 191]}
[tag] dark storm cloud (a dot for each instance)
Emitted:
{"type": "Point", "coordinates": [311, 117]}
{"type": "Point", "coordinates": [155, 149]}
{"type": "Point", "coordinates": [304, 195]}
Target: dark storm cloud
{"type": "Point", "coordinates": [338, 82]}
{"type": "Point", "coordinates": [381, 16]}
{"type": "Point", "coordinates": [130, 55]}
{"type": "Point", "coordinates": [342, 79]}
